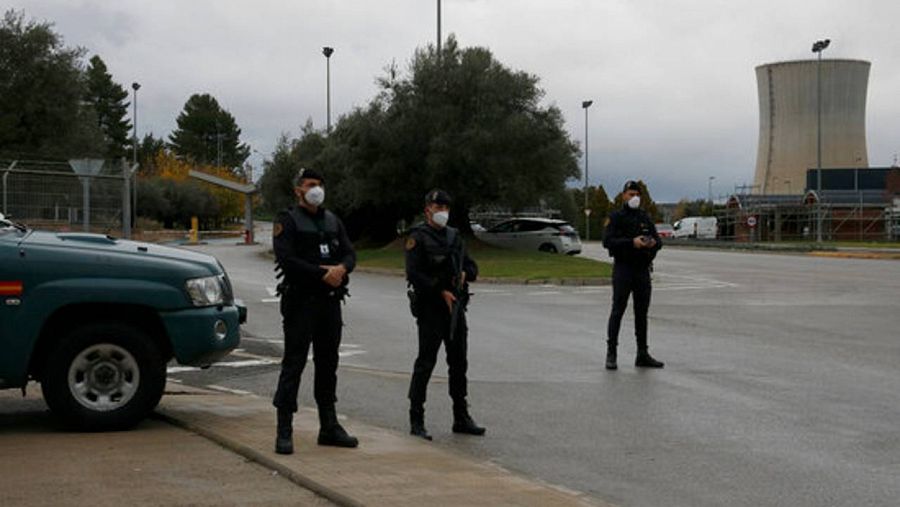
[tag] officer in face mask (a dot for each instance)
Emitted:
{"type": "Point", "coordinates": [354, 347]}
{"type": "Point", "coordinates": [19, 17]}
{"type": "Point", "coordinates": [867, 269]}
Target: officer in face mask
{"type": "Point", "coordinates": [438, 269]}
{"type": "Point", "coordinates": [315, 257]}
{"type": "Point", "coordinates": [632, 240]}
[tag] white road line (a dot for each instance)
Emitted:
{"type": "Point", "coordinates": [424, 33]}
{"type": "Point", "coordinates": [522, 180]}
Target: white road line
{"type": "Point", "coordinates": [181, 369]}
{"type": "Point", "coordinates": [262, 340]}
{"type": "Point", "coordinates": [246, 363]}
{"type": "Point", "coordinates": [270, 300]}
{"type": "Point", "coordinates": [229, 390]}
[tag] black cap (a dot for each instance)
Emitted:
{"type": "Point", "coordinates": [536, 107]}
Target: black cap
{"type": "Point", "coordinates": [438, 196]}
{"type": "Point", "coordinates": [307, 174]}
{"type": "Point", "coordinates": [632, 185]}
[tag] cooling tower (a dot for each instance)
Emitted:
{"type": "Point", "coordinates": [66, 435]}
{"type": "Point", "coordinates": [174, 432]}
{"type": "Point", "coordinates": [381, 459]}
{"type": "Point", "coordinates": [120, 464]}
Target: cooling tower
{"type": "Point", "coordinates": [788, 126]}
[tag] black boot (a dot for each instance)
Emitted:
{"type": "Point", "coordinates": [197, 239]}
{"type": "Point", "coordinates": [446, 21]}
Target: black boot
{"type": "Point", "coordinates": [284, 443]}
{"type": "Point", "coordinates": [463, 422]}
{"type": "Point", "coordinates": [611, 357]}
{"type": "Point", "coordinates": [417, 423]}
{"type": "Point", "coordinates": [331, 432]}
{"type": "Point", "coordinates": [645, 360]}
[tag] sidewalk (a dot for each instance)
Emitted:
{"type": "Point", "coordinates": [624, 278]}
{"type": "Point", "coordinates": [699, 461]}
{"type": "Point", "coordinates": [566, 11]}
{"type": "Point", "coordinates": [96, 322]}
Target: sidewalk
{"type": "Point", "coordinates": [153, 464]}
{"type": "Point", "coordinates": [387, 469]}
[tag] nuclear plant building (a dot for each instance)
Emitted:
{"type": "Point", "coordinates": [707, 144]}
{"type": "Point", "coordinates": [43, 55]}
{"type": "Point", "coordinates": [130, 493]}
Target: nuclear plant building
{"type": "Point", "coordinates": [792, 196]}
{"type": "Point", "coordinates": [788, 121]}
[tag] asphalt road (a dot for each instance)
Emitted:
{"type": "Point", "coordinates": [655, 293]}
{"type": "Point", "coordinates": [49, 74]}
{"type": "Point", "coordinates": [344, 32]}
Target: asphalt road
{"type": "Point", "coordinates": [780, 388]}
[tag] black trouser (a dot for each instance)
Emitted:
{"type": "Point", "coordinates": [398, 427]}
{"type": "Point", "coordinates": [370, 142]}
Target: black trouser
{"type": "Point", "coordinates": [316, 320]}
{"type": "Point", "coordinates": [434, 328]}
{"type": "Point", "coordinates": [629, 280]}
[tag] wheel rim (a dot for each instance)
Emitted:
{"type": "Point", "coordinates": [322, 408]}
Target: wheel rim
{"type": "Point", "coordinates": [104, 377]}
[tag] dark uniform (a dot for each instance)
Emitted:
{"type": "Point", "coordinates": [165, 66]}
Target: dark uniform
{"type": "Point", "coordinates": [433, 258]}
{"type": "Point", "coordinates": [311, 309]}
{"type": "Point", "coordinates": [631, 275]}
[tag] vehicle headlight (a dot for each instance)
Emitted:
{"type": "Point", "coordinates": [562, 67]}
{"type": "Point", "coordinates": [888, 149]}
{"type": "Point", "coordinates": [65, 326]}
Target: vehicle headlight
{"type": "Point", "coordinates": [207, 291]}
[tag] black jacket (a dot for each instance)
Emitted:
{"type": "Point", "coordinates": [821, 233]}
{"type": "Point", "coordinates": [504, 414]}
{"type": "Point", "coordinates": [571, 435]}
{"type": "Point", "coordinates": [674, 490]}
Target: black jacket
{"type": "Point", "coordinates": [304, 241]}
{"type": "Point", "coordinates": [432, 262]}
{"type": "Point", "coordinates": [624, 225]}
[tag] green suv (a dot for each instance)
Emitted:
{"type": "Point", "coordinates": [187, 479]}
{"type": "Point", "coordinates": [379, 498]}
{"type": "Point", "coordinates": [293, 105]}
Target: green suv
{"type": "Point", "coordinates": [96, 319]}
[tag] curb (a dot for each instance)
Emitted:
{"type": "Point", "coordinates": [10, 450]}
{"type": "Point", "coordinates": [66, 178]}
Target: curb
{"type": "Point", "coordinates": [263, 460]}
{"type": "Point", "coordinates": [884, 256]}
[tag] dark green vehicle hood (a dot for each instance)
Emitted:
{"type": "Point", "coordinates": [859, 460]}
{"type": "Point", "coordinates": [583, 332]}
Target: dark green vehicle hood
{"type": "Point", "coordinates": [76, 258]}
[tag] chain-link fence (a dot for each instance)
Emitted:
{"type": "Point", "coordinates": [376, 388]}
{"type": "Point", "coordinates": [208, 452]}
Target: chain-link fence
{"type": "Point", "coordinates": [51, 195]}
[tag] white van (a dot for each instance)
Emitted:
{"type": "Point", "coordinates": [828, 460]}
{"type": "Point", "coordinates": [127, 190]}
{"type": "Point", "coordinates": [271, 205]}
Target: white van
{"type": "Point", "coordinates": [696, 227]}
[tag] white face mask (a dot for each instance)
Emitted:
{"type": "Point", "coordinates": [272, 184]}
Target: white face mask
{"type": "Point", "coordinates": [634, 202]}
{"type": "Point", "coordinates": [314, 196]}
{"type": "Point", "coordinates": [441, 218]}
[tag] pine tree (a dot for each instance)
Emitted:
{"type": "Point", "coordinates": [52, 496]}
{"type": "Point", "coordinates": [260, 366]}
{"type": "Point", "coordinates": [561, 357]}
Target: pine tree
{"type": "Point", "coordinates": [108, 101]}
{"type": "Point", "coordinates": [208, 134]}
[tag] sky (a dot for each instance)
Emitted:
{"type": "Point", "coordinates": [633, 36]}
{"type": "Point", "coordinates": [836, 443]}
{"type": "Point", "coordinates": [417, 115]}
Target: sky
{"type": "Point", "coordinates": [673, 82]}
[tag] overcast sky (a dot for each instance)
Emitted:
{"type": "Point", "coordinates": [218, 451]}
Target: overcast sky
{"type": "Point", "coordinates": [673, 81]}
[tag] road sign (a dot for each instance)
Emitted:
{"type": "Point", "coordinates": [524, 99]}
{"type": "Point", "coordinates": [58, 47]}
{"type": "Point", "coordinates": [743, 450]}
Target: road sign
{"type": "Point", "coordinates": [751, 221]}
{"type": "Point", "coordinates": [587, 212]}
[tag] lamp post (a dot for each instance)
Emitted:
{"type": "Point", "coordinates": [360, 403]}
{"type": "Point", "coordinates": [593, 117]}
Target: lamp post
{"type": "Point", "coordinates": [709, 189]}
{"type": "Point", "coordinates": [135, 86]}
{"type": "Point", "coordinates": [818, 47]}
{"type": "Point", "coordinates": [328, 51]}
{"type": "Point", "coordinates": [439, 28]}
{"type": "Point", "coordinates": [587, 211]}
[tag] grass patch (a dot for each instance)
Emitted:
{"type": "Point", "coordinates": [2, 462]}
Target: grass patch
{"type": "Point", "coordinates": [500, 263]}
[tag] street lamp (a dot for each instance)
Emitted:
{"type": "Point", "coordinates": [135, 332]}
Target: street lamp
{"type": "Point", "coordinates": [135, 86]}
{"type": "Point", "coordinates": [818, 47]}
{"type": "Point", "coordinates": [439, 28]}
{"type": "Point", "coordinates": [709, 189]}
{"type": "Point", "coordinates": [328, 51]}
{"type": "Point", "coordinates": [587, 211]}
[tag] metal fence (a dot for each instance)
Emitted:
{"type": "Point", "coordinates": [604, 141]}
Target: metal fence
{"type": "Point", "coordinates": [856, 216]}
{"type": "Point", "coordinates": [52, 195]}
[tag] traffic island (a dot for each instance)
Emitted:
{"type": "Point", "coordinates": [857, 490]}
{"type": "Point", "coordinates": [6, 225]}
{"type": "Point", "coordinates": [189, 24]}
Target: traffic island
{"type": "Point", "coordinates": [387, 469]}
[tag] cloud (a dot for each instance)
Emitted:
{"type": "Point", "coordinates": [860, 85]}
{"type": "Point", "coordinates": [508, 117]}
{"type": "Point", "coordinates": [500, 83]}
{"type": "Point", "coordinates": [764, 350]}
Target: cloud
{"type": "Point", "coordinates": [673, 83]}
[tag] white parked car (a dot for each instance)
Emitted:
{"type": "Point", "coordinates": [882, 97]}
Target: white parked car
{"type": "Point", "coordinates": [542, 234]}
{"type": "Point", "coordinates": [696, 227]}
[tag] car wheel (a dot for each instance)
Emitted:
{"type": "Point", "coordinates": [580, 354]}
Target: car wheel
{"type": "Point", "coordinates": [548, 247]}
{"type": "Point", "coordinates": [106, 376]}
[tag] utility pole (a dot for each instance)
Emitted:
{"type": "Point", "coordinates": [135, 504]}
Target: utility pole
{"type": "Point", "coordinates": [587, 210]}
{"type": "Point", "coordinates": [818, 47]}
{"type": "Point", "coordinates": [439, 28]}
{"type": "Point", "coordinates": [134, 147]}
{"type": "Point", "coordinates": [328, 51]}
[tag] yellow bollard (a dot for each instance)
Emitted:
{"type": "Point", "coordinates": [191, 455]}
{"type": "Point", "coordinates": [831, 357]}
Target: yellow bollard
{"type": "Point", "coordinates": [195, 231]}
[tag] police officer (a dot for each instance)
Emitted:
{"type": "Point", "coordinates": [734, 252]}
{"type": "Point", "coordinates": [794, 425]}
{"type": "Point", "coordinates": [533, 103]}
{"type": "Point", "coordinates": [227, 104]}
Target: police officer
{"type": "Point", "coordinates": [632, 240]}
{"type": "Point", "coordinates": [315, 256]}
{"type": "Point", "coordinates": [438, 269]}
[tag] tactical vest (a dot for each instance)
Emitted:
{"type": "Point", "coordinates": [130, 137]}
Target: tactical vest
{"type": "Point", "coordinates": [313, 233]}
{"type": "Point", "coordinates": [441, 255]}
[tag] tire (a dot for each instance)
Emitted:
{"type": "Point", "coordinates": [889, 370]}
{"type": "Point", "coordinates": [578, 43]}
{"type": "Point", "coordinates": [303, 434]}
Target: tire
{"type": "Point", "coordinates": [548, 247]}
{"type": "Point", "coordinates": [103, 377]}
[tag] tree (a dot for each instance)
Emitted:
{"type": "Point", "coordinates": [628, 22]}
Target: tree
{"type": "Point", "coordinates": [695, 208]}
{"type": "Point", "coordinates": [208, 135]}
{"type": "Point", "coordinates": [461, 121]}
{"type": "Point", "coordinates": [41, 89]}
{"type": "Point", "coordinates": [598, 202]}
{"type": "Point", "coordinates": [276, 184]}
{"type": "Point", "coordinates": [647, 203]}
{"type": "Point", "coordinates": [227, 204]}
{"type": "Point", "coordinates": [108, 101]}
{"type": "Point", "coordinates": [148, 149]}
